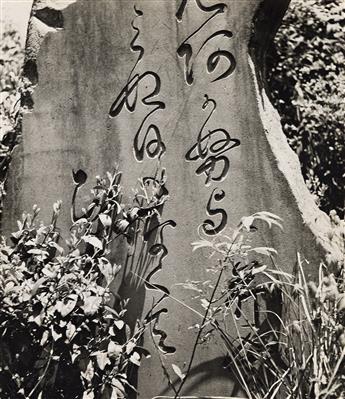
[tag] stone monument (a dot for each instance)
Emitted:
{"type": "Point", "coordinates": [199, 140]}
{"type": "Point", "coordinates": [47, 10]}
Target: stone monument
{"type": "Point", "coordinates": [173, 84]}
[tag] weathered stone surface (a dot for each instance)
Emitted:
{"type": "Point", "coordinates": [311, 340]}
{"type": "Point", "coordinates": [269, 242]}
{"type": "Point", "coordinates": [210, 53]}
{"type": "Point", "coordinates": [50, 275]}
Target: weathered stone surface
{"type": "Point", "coordinates": [197, 66]}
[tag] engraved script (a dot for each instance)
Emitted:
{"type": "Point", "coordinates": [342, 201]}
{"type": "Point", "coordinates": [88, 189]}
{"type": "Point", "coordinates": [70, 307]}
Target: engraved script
{"type": "Point", "coordinates": [150, 142]}
{"type": "Point", "coordinates": [188, 51]}
{"type": "Point", "coordinates": [211, 150]}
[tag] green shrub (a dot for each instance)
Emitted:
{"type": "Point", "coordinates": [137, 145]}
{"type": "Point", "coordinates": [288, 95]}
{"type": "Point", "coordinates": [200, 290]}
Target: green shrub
{"type": "Point", "coordinates": [63, 330]}
{"type": "Point", "coordinates": [306, 67]}
{"type": "Point", "coordinates": [11, 61]}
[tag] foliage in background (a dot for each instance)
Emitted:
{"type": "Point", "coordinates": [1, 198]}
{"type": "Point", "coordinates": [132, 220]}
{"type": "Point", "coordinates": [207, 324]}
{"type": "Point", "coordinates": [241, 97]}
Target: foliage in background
{"type": "Point", "coordinates": [11, 62]}
{"type": "Point", "coordinates": [306, 66]}
{"type": "Point", "coordinates": [63, 330]}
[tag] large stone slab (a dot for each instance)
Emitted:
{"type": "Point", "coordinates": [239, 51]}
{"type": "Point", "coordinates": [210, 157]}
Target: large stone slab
{"type": "Point", "coordinates": [155, 84]}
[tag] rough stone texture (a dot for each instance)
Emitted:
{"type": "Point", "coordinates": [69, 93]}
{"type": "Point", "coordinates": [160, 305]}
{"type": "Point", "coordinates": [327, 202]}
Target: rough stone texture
{"type": "Point", "coordinates": [80, 55]}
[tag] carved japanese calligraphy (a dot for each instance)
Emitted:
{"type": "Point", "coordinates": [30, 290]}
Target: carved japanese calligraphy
{"type": "Point", "coordinates": [185, 50]}
{"type": "Point", "coordinates": [150, 141]}
{"type": "Point", "coordinates": [161, 251]}
{"type": "Point", "coordinates": [209, 226]}
{"type": "Point", "coordinates": [211, 147]}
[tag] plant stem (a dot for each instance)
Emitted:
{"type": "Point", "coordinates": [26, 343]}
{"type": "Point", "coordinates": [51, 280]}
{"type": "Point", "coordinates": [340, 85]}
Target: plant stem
{"type": "Point", "coordinates": [43, 374]}
{"type": "Point", "coordinates": [199, 334]}
{"type": "Point", "coordinates": [335, 372]}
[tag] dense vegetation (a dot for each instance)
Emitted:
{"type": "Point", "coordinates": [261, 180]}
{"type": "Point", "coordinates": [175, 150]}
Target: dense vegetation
{"type": "Point", "coordinates": [63, 330]}
{"type": "Point", "coordinates": [11, 61]}
{"type": "Point", "coordinates": [307, 82]}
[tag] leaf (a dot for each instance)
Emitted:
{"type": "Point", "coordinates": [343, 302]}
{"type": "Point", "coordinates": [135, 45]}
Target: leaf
{"type": "Point", "coordinates": [269, 218]}
{"type": "Point", "coordinates": [55, 335]}
{"type": "Point", "coordinates": [264, 251]}
{"type": "Point", "coordinates": [37, 285]}
{"type": "Point", "coordinates": [194, 326]}
{"type": "Point", "coordinates": [88, 395]}
{"type": "Point", "coordinates": [75, 352]}
{"type": "Point", "coordinates": [36, 251]}
{"type": "Point", "coordinates": [89, 372]}
{"type": "Point", "coordinates": [108, 270]}
{"type": "Point", "coordinates": [67, 306]}
{"type": "Point", "coordinates": [79, 177]}
{"type": "Point", "coordinates": [114, 350]}
{"type": "Point", "coordinates": [135, 359]}
{"type": "Point", "coordinates": [70, 330]}
{"type": "Point", "coordinates": [94, 241]}
{"type": "Point", "coordinates": [58, 248]}
{"type": "Point", "coordinates": [190, 286]}
{"type": "Point", "coordinates": [129, 347]}
{"type": "Point", "coordinates": [269, 214]}
{"type": "Point", "coordinates": [57, 207]}
{"type": "Point", "coordinates": [44, 338]}
{"type": "Point", "coordinates": [38, 319]}
{"type": "Point", "coordinates": [80, 221]}
{"type": "Point", "coordinates": [281, 273]}
{"type": "Point", "coordinates": [119, 324]}
{"type": "Point", "coordinates": [201, 244]}
{"type": "Point", "coordinates": [118, 388]}
{"type": "Point", "coordinates": [114, 393]}
{"type": "Point", "coordinates": [260, 269]}
{"type": "Point", "coordinates": [121, 225]}
{"type": "Point", "coordinates": [205, 303]}
{"type": "Point", "coordinates": [247, 222]}
{"type": "Point", "coordinates": [178, 372]}
{"type": "Point", "coordinates": [102, 360]}
{"type": "Point", "coordinates": [49, 271]}
{"type": "Point", "coordinates": [105, 219]}
{"type": "Point", "coordinates": [133, 213]}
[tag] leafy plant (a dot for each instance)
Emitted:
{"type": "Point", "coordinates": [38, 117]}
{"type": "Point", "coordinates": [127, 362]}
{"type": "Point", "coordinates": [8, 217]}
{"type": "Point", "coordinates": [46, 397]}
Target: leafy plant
{"type": "Point", "coordinates": [63, 331]}
{"type": "Point", "coordinates": [234, 277]}
{"type": "Point", "coordinates": [284, 336]}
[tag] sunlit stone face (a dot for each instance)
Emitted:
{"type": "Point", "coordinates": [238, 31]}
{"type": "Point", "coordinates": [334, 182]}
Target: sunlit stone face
{"type": "Point", "coordinates": [168, 90]}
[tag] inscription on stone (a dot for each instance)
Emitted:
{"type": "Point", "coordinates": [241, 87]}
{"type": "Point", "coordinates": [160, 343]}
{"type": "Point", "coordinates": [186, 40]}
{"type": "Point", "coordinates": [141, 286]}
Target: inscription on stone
{"type": "Point", "coordinates": [172, 92]}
